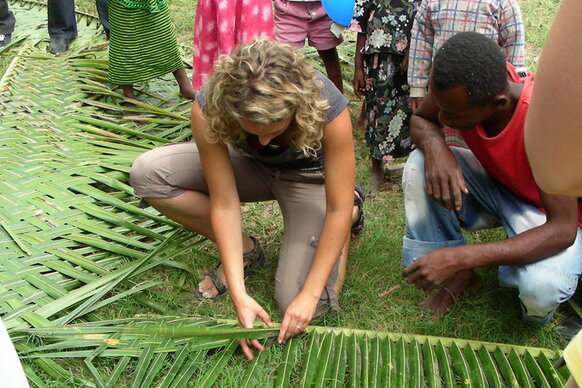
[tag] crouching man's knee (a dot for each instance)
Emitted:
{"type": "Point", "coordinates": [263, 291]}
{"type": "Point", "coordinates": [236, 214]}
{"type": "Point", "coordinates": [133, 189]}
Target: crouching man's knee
{"type": "Point", "coordinates": [413, 174]}
{"type": "Point", "coordinates": [541, 298]}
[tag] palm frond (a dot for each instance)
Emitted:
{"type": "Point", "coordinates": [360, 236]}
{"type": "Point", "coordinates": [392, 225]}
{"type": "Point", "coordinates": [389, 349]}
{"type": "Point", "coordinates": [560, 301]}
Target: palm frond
{"type": "Point", "coordinates": [321, 357]}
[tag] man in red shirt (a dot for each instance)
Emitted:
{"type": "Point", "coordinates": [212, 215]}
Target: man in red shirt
{"type": "Point", "coordinates": [491, 184]}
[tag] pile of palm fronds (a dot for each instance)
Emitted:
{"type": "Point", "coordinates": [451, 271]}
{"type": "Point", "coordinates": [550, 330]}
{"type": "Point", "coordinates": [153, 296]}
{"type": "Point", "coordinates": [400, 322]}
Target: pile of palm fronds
{"type": "Point", "coordinates": [73, 238]}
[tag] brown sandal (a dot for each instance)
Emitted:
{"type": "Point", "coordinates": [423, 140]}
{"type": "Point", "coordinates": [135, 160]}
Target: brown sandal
{"type": "Point", "coordinates": [252, 260]}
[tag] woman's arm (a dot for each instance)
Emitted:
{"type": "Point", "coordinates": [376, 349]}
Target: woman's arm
{"type": "Point", "coordinates": [225, 213]}
{"type": "Point", "coordinates": [339, 169]}
{"type": "Point", "coordinates": [225, 218]}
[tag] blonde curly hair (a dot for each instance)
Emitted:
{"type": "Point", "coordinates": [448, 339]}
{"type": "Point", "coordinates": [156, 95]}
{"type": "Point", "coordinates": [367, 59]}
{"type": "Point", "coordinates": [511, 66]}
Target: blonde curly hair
{"type": "Point", "coordinates": [264, 82]}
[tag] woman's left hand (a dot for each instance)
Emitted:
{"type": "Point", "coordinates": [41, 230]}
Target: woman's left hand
{"type": "Point", "coordinates": [297, 316]}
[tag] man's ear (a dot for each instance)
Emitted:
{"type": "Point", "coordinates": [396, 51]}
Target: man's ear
{"type": "Point", "coordinates": [500, 101]}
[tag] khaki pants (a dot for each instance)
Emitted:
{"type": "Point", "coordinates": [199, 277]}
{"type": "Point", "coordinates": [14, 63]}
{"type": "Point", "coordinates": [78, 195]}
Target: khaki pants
{"type": "Point", "coordinates": [168, 171]}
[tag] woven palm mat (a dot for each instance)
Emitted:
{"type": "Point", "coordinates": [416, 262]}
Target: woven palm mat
{"type": "Point", "coordinates": [70, 228]}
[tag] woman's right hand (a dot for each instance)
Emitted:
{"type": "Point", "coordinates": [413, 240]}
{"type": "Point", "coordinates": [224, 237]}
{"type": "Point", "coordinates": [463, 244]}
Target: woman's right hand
{"type": "Point", "coordinates": [247, 310]}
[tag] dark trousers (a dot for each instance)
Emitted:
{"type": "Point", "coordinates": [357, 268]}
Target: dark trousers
{"type": "Point", "coordinates": [7, 19]}
{"type": "Point", "coordinates": [61, 18]}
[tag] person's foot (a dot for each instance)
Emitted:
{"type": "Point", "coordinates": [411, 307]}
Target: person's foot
{"type": "Point", "coordinates": [569, 327]}
{"type": "Point", "coordinates": [376, 177]}
{"type": "Point", "coordinates": [214, 284]}
{"type": "Point", "coordinates": [188, 93]}
{"type": "Point", "coordinates": [59, 45]}
{"type": "Point", "coordinates": [463, 283]}
{"type": "Point", "coordinates": [207, 288]}
{"type": "Point", "coordinates": [5, 39]}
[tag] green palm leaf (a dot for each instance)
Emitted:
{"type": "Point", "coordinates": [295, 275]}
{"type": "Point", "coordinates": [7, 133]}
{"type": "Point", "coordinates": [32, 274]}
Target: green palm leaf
{"type": "Point", "coordinates": [150, 341]}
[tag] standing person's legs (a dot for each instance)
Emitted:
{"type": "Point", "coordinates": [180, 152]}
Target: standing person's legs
{"type": "Point", "coordinates": [184, 83]}
{"type": "Point", "coordinates": [291, 22]}
{"type": "Point", "coordinates": [7, 22]}
{"type": "Point", "coordinates": [103, 13]}
{"type": "Point", "coordinates": [301, 197]}
{"type": "Point", "coordinates": [320, 36]}
{"type": "Point", "coordinates": [330, 59]}
{"type": "Point", "coordinates": [62, 25]}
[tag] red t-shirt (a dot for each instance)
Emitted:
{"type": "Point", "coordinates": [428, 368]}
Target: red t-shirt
{"type": "Point", "coordinates": [503, 156]}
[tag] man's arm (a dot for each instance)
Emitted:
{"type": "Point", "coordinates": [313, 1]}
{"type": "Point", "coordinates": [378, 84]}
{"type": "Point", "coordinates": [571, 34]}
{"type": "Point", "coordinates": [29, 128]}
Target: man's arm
{"type": "Point", "coordinates": [443, 176]}
{"type": "Point", "coordinates": [548, 239]}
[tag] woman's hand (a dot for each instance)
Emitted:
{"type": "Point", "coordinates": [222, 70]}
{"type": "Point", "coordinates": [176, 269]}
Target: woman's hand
{"type": "Point", "coordinates": [247, 309]}
{"type": "Point", "coordinates": [297, 316]}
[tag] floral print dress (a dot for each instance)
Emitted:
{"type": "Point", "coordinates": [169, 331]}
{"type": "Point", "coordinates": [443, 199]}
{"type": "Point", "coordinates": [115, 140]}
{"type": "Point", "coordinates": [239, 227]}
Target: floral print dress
{"type": "Point", "coordinates": [387, 25]}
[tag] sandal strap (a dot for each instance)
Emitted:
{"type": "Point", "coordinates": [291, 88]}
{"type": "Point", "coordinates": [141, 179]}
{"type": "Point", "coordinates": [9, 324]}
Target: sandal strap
{"type": "Point", "coordinates": [253, 259]}
{"type": "Point", "coordinates": [359, 198]}
{"type": "Point", "coordinates": [218, 284]}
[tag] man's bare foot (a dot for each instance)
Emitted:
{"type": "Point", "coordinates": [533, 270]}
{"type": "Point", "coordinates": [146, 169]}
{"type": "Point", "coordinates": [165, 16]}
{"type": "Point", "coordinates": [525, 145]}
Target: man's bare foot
{"type": "Point", "coordinates": [188, 93]}
{"type": "Point", "coordinates": [463, 283]}
{"type": "Point", "coordinates": [376, 176]}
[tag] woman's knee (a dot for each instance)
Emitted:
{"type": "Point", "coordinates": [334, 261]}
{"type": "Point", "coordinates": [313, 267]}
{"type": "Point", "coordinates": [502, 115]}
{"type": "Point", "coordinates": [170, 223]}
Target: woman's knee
{"type": "Point", "coordinates": [139, 168]}
{"type": "Point", "coordinates": [285, 292]}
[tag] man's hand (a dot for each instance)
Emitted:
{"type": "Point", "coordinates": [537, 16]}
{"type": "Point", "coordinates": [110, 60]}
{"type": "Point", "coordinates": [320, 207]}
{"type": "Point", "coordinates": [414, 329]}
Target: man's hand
{"type": "Point", "coordinates": [414, 103]}
{"type": "Point", "coordinates": [444, 180]}
{"type": "Point", "coordinates": [359, 82]}
{"type": "Point", "coordinates": [297, 316]}
{"type": "Point", "coordinates": [247, 309]}
{"type": "Point", "coordinates": [434, 269]}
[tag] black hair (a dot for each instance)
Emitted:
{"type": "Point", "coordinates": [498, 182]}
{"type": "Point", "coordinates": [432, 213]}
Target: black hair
{"type": "Point", "coordinates": [474, 61]}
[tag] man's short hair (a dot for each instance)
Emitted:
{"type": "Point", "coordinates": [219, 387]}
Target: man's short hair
{"type": "Point", "coordinates": [474, 61]}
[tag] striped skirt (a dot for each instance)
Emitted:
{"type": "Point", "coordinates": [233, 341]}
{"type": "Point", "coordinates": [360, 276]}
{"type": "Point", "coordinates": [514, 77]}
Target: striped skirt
{"type": "Point", "coordinates": [142, 45]}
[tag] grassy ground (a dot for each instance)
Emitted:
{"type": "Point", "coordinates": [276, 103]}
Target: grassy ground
{"type": "Point", "coordinates": [374, 295]}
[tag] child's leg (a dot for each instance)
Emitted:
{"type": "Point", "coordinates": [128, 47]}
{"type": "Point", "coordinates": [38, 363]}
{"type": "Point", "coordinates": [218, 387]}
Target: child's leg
{"type": "Point", "coordinates": [331, 62]}
{"type": "Point", "coordinates": [184, 83]}
{"type": "Point", "coordinates": [377, 175]}
{"type": "Point", "coordinates": [128, 91]}
{"type": "Point", "coordinates": [360, 122]}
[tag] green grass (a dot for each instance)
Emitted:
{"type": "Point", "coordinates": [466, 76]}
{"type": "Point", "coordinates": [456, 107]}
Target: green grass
{"type": "Point", "coordinates": [374, 294]}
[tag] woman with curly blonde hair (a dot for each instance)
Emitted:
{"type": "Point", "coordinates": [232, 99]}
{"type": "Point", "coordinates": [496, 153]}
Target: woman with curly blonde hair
{"type": "Point", "coordinates": [266, 127]}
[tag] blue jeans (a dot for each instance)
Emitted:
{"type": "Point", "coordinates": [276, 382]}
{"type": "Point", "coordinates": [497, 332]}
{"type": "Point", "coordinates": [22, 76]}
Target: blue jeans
{"type": "Point", "coordinates": [61, 18]}
{"type": "Point", "coordinates": [542, 285]}
{"type": "Point", "coordinates": [6, 19]}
